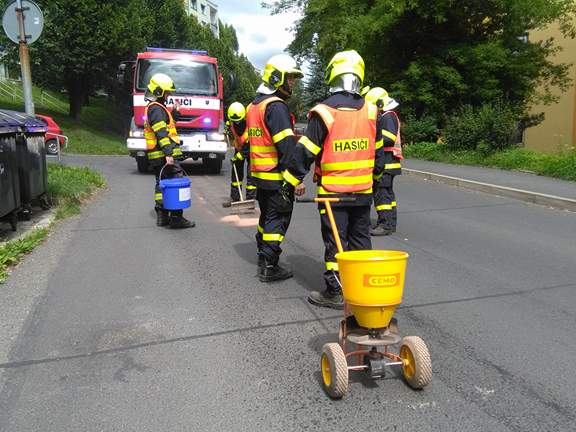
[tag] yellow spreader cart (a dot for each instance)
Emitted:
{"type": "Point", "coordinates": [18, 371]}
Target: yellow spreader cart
{"type": "Point", "coordinates": [372, 285]}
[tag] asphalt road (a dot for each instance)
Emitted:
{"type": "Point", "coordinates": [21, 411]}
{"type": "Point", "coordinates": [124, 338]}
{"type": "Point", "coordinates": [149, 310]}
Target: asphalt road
{"type": "Point", "coordinates": [117, 325]}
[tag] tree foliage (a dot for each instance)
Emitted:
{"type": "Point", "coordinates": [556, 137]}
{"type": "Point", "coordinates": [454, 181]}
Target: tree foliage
{"type": "Point", "coordinates": [435, 56]}
{"type": "Point", "coordinates": [84, 41]}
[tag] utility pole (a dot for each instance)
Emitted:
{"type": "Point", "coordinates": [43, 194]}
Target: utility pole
{"type": "Point", "coordinates": [25, 61]}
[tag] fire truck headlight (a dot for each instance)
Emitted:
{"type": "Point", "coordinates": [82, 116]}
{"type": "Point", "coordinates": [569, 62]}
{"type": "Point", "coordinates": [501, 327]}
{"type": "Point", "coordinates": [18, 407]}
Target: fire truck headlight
{"type": "Point", "coordinates": [207, 121]}
{"type": "Point", "coordinates": [215, 136]}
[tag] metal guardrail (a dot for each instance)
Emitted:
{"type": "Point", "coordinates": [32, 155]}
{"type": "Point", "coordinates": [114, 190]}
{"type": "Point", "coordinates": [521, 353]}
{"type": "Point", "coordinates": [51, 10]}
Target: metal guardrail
{"type": "Point", "coordinates": [58, 143]}
{"type": "Point", "coordinates": [11, 88]}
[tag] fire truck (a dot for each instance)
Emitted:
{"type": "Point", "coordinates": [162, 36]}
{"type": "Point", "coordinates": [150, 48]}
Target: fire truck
{"type": "Point", "coordinates": [198, 90]}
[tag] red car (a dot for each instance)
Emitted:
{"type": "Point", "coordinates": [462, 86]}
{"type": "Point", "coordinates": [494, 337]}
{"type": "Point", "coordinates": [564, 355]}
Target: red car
{"type": "Point", "coordinates": [53, 135]}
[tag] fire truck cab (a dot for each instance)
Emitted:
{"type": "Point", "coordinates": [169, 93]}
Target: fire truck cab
{"type": "Point", "coordinates": [198, 89]}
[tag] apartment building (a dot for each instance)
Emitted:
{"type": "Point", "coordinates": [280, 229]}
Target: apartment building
{"type": "Point", "coordinates": [205, 12]}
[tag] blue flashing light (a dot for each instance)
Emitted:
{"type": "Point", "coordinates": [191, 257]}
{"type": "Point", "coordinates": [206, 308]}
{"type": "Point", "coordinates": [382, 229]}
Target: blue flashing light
{"type": "Point", "coordinates": [207, 121]}
{"type": "Point", "coordinates": [195, 52]}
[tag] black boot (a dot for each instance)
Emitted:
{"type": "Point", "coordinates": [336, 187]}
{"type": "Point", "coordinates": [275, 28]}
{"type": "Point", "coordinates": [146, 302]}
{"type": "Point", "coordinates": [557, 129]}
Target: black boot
{"type": "Point", "coordinates": [380, 230]}
{"type": "Point", "coordinates": [271, 273]}
{"type": "Point", "coordinates": [178, 221]}
{"type": "Point", "coordinates": [261, 262]}
{"type": "Point", "coordinates": [162, 218]}
{"type": "Point", "coordinates": [327, 299]}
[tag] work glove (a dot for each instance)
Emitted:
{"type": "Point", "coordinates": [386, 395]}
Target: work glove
{"type": "Point", "coordinates": [286, 198]}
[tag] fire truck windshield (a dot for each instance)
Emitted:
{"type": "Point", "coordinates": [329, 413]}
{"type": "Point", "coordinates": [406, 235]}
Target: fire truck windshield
{"type": "Point", "coordinates": [190, 77]}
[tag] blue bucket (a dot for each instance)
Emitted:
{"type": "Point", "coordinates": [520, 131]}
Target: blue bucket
{"type": "Point", "coordinates": [175, 193]}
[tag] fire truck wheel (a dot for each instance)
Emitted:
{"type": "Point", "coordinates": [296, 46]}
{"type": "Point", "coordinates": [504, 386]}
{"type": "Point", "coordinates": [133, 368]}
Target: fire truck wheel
{"type": "Point", "coordinates": [213, 166]}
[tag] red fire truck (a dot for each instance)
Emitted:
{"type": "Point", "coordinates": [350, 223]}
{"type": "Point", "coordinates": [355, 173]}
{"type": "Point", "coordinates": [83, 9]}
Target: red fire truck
{"type": "Point", "coordinates": [199, 91]}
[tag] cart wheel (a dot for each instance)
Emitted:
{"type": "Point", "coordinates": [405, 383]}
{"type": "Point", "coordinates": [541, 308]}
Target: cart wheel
{"type": "Point", "coordinates": [334, 370]}
{"type": "Point", "coordinates": [13, 218]}
{"type": "Point", "coordinates": [45, 202]}
{"type": "Point", "coordinates": [417, 368]}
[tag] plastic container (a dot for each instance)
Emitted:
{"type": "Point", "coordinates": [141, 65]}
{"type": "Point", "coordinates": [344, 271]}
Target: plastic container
{"type": "Point", "coordinates": [9, 182]}
{"type": "Point", "coordinates": [372, 284]}
{"type": "Point", "coordinates": [175, 193]}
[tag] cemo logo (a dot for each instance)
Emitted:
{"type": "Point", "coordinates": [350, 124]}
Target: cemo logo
{"type": "Point", "coordinates": [381, 281]}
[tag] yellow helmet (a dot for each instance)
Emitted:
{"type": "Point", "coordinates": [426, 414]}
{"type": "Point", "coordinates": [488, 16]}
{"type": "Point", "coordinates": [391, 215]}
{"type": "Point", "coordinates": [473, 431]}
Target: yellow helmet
{"type": "Point", "coordinates": [364, 91]}
{"type": "Point", "coordinates": [377, 96]}
{"type": "Point", "coordinates": [345, 62]}
{"type": "Point", "coordinates": [278, 67]}
{"type": "Point", "coordinates": [236, 112]}
{"type": "Point", "coordinates": [160, 84]}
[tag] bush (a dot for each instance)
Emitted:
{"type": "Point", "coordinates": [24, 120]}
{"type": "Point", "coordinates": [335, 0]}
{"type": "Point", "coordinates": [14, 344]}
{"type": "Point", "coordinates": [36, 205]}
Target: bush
{"type": "Point", "coordinates": [419, 130]}
{"type": "Point", "coordinates": [486, 128]}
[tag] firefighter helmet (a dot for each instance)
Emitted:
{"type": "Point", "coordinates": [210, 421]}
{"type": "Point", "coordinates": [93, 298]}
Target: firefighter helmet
{"type": "Point", "coordinates": [236, 112]}
{"type": "Point", "coordinates": [277, 68]}
{"type": "Point", "coordinates": [378, 96]}
{"type": "Point", "coordinates": [345, 62]}
{"type": "Point", "coordinates": [160, 84]}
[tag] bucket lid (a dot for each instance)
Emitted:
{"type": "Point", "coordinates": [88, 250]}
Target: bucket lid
{"type": "Point", "coordinates": [175, 182]}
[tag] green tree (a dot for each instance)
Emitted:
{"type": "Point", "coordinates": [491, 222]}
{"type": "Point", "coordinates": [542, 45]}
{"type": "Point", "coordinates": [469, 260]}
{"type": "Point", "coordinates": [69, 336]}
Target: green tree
{"type": "Point", "coordinates": [437, 55]}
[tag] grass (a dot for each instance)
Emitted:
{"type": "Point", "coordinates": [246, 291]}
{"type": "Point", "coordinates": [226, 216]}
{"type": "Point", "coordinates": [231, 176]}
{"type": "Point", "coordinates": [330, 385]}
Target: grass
{"type": "Point", "coordinates": [519, 159]}
{"type": "Point", "coordinates": [68, 187]}
{"type": "Point", "coordinates": [99, 130]}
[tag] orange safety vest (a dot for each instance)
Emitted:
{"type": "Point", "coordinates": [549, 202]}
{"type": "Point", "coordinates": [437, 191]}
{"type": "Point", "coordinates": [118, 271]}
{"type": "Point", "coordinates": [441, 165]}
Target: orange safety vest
{"type": "Point", "coordinates": [239, 140]}
{"type": "Point", "coordinates": [348, 152]}
{"type": "Point", "coordinates": [263, 152]}
{"type": "Point", "coordinates": [397, 147]}
{"type": "Point", "coordinates": [150, 135]}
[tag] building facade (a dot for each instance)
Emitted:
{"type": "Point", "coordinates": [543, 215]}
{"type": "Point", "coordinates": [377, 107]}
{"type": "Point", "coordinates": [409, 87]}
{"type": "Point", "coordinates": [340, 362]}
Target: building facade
{"type": "Point", "coordinates": [205, 12]}
{"type": "Point", "coordinates": [557, 133]}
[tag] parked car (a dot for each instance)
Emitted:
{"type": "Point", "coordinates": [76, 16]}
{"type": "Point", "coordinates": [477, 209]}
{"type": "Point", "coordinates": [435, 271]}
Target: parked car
{"type": "Point", "coordinates": [53, 135]}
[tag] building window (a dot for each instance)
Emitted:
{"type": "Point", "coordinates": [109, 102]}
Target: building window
{"type": "Point", "coordinates": [203, 9]}
{"type": "Point", "coordinates": [193, 4]}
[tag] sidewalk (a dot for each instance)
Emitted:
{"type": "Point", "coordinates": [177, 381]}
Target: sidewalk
{"type": "Point", "coordinates": [518, 185]}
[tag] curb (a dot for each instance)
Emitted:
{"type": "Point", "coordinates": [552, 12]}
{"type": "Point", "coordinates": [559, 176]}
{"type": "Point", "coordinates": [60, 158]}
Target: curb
{"type": "Point", "coordinates": [508, 192]}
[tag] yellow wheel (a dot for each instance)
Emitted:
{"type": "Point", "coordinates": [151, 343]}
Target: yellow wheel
{"type": "Point", "coordinates": [417, 368]}
{"type": "Point", "coordinates": [334, 370]}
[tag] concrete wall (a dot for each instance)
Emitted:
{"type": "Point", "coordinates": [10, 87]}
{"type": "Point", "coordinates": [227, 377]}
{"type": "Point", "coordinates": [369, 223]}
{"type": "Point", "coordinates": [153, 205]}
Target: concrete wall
{"type": "Point", "coordinates": [557, 133]}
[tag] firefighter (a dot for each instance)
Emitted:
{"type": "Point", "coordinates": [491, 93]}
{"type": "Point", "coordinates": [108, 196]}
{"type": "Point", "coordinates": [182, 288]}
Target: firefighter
{"type": "Point", "coordinates": [237, 127]}
{"type": "Point", "coordinates": [343, 137]}
{"type": "Point", "coordinates": [163, 145]}
{"type": "Point", "coordinates": [270, 131]}
{"type": "Point", "coordinates": [384, 197]}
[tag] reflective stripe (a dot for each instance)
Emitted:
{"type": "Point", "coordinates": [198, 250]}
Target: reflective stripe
{"type": "Point", "coordinates": [158, 196]}
{"type": "Point", "coordinates": [394, 203]}
{"type": "Point", "coordinates": [322, 191]}
{"type": "Point", "coordinates": [290, 178]}
{"type": "Point", "coordinates": [260, 229]}
{"type": "Point", "coordinates": [388, 134]}
{"type": "Point", "coordinates": [379, 144]}
{"type": "Point", "coordinates": [250, 187]}
{"type": "Point", "coordinates": [262, 149]}
{"type": "Point", "coordinates": [310, 146]}
{"type": "Point", "coordinates": [350, 165]}
{"type": "Point", "coordinates": [323, 211]}
{"type": "Point", "coordinates": [332, 266]}
{"type": "Point", "coordinates": [372, 112]}
{"type": "Point", "coordinates": [265, 161]}
{"type": "Point", "coordinates": [377, 177]}
{"type": "Point", "coordinates": [281, 135]}
{"type": "Point", "coordinates": [239, 156]}
{"type": "Point", "coordinates": [384, 207]}
{"type": "Point", "coordinates": [351, 180]}
{"type": "Point", "coordinates": [165, 141]}
{"type": "Point", "coordinates": [324, 114]}
{"type": "Point", "coordinates": [157, 126]}
{"type": "Point", "coordinates": [235, 184]}
{"type": "Point", "coordinates": [177, 151]}
{"type": "Point", "coordinates": [272, 237]}
{"type": "Point", "coordinates": [267, 175]}
{"type": "Point", "coordinates": [155, 155]}
{"type": "Point", "coordinates": [392, 166]}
